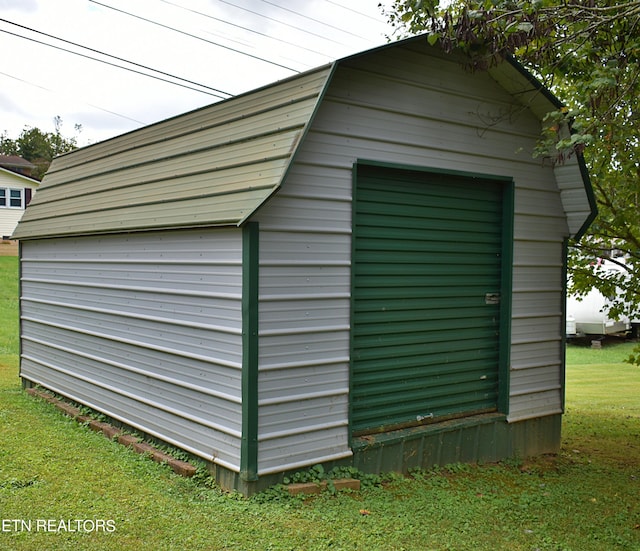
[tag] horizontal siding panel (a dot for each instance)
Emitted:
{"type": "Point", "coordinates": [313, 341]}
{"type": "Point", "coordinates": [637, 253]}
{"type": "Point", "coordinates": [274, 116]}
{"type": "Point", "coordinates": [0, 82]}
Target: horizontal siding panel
{"type": "Point", "coordinates": [302, 349]}
{"type": "Point", "coordinates": [539, 227]}
{"type": "Point", "coordinates": [539, 202]}
{"type": "Point", "coordinates": [330, 150]}
{"type": "Point", "coordinates": [535, 404]}
{"type": "Point", "coordinates": [538, 253]}
{"type": "Point", "coordinates": [183, 247]}
{"type": "Point", "coordinates": [280, 247]}
{"type": "Point", "coordinates": [440, 70]}
{"type": "Point", "coordinates": [574, 201]}
{"type": "Point", "coordinates": [536, 354]}
{"type": "Point", "coordinates": [535, 380]}
{"type": "Point", "coordinates": [328, 378]}
{"type": "Point", "coordinates": [541, 329]}
{"type": "Point", "coordinates": [303, 280]}
{"type": "Point", "coordinates": [189, 341]}
{"type": "Point", "coordinates": [421, 98]}
{"type": "Point", "coordinates": [537, 277]}
{"type": "Point", "coordinates": [575, 220]}
{"type": "Point", "coordinates": [326, 181]}
{"type": "Point", "coordinates": [311, 213]}
{"type": "Point", "coordinates": [143, 331]}
{"type": "Point", "coordinates": [296, 451]}
{"type": "Point", "coordinates": [217, 412]}
{"type": "Point", "coordinates": [302, 314]}
{"type": "Point", "coordinates": [144, 361]}
{"type": "Point", "coordinates": [297, 416]}
{"type": "Point", "coordinates": [536, 303]}
{"type": "Point", "coordinates": [177, 307]}
{"type": "Point", "coordinates": [202, 441]}
{"type": "Point", "coordinates": [173, 278]}
{"type": "Point", "coordinates": [428, 126]}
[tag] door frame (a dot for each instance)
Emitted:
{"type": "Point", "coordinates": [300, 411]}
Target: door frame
{"type": "Point", "coordinates": [506, 273]}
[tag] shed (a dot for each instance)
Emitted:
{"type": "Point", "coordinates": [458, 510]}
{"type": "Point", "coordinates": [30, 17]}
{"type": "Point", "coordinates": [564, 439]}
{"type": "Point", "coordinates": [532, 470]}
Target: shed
{"type": "Point", "coordinates": [362, 264]}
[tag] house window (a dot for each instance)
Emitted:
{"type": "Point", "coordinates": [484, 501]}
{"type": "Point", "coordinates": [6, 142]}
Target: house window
{"type": "Point", "coordinates": [11, 198]}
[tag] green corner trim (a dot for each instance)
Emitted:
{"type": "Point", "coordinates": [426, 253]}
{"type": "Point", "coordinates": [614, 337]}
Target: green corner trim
{"type": "Point", "coordinates": [508, 210]}
{"type": "Point", "coordinates": [563, 364]}
{"type": "Point", "coordinates": [250, 272]}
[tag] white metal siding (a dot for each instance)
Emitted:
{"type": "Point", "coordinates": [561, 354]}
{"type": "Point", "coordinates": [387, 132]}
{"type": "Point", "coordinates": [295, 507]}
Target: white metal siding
{"type": "Point", "coordinates": [407, 108]}
{"type": "Point", "coordinates": [304, 320]}
{"type": "Point", "coordinates": [478, 128]}
{"type": "Point", "coordinates": [146, 328]}
{"type": "Point", "coordinates": [9, 219]}
{"type": "Point", "coordinates": [573, 193]}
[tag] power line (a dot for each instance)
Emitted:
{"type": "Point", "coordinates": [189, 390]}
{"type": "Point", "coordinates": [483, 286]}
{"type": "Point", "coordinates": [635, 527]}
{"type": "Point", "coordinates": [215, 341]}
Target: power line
{"type": "Point", "coordinates": [278, 21]}
{"type": "Point", "coordinates": [312, 19]}
{"type": "Point", "coordinates": [108, 63]}
{"type": "Point", "coordinates": [209, 16]}
{"type": "Point", "coordinates": [355, 11]}
{"type": "Point", "coordinates": [194, 36]}
{"type": "Point", "coordinates": [54, 92]}
{"type": "Point", "coordinates": [120, 59]}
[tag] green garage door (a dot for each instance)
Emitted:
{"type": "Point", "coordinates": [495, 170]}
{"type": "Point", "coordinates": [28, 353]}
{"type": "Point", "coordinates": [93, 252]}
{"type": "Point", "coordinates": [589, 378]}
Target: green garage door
{"type": "Point", "coordinates": [427, 280]}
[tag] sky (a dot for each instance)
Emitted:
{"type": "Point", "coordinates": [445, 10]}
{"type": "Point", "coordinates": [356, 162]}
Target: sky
{"type": "Point", "coordinates": [219, 48]}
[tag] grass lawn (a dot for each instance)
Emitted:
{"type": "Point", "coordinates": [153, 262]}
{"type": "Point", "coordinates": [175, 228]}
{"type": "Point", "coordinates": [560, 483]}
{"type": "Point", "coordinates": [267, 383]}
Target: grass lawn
{"type": "Point", "coordinates": [586, 498]}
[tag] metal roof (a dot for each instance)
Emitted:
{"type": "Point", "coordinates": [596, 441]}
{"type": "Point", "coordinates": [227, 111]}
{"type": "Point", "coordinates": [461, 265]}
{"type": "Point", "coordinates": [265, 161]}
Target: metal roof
{"type": "Point", "coordinates": [215, 166]}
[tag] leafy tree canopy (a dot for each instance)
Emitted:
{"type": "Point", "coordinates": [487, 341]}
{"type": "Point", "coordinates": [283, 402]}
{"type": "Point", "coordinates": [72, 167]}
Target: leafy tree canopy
{"type": "Point", "coordinates": [39, 147]}
{"type": "Point", "coordinates": [588, 53]}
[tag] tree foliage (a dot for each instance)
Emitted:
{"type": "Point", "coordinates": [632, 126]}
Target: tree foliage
{"type": "Point", "coordinates": [588, 53]}
{"type": "Point", "coordinates": [39, 147]}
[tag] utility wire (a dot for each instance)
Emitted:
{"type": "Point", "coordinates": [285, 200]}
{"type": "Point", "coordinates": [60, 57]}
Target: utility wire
{"type": "Point", "coordinates": [312, 19]}
{"type": "Point", "coordinates": [277, 21]}
{"type": "Point", "coordinates": [356, 11]}
{"type": "Point", "coordinates": [54, 92]}
{"type": "Point", "coordinates": [294, 44]}
{"type": "Point", "coordinates": [109, 63]}
{"type": "Point", "coordinates": [194, 36]}
{"type": "Point", "coordinates": [119, 59]}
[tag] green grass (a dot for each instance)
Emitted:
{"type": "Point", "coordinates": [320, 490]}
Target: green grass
{"type": "Point", "coordinates": [8, 307]}
{"type": "Point", "coordinates": [584, 499]}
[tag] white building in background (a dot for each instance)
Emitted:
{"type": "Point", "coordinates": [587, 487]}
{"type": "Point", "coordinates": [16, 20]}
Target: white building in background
{"type": "Point", "coordinates": [588, 315]}
{"type": "Point", "coordinates": [16, 190]}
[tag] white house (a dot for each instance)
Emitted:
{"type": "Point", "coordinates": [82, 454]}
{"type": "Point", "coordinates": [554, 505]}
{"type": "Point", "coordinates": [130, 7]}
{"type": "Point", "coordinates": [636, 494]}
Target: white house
{"type": "Point", "coordinates": [16, 191]}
